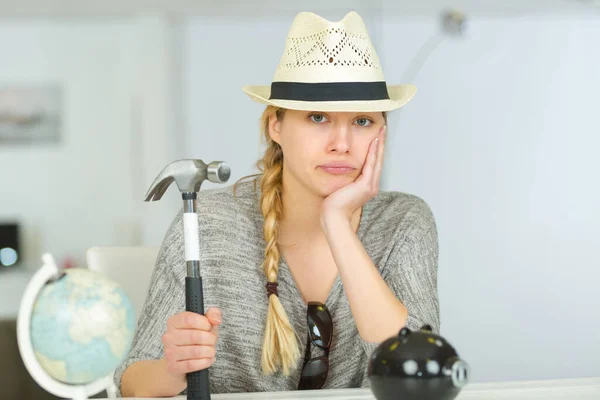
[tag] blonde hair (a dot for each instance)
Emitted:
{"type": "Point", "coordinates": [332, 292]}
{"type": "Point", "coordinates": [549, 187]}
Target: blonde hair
{"type": "Point", "coordinates": [280, 346]}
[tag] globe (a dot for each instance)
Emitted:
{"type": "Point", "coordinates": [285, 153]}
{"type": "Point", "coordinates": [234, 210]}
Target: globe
{"type": "Point", "coordinates": [78, 325]}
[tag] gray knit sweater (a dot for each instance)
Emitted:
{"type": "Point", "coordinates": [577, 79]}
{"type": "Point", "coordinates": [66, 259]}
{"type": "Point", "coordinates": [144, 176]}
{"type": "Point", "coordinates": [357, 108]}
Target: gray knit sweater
{"type": "Point", "coordinates": [397, 230]}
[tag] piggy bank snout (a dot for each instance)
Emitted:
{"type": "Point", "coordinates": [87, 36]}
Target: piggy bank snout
{"type": "Point", "coordinates": [458, 370]}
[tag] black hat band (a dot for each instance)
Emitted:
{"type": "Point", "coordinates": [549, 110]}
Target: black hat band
{"type": "Point", "coordinates": [329, 91]}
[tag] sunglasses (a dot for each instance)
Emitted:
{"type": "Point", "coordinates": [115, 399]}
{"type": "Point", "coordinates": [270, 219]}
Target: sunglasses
{"type": "Point", "coordinates": [320, 332]}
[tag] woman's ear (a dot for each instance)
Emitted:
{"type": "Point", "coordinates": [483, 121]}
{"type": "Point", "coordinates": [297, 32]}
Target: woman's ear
{"type": "Point", "coordinates": [275, 128]}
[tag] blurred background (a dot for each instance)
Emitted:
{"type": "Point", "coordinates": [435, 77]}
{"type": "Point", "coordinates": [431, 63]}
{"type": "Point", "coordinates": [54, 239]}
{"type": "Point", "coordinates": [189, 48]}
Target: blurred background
{"type": "Point", "coordinates": [501, 140]}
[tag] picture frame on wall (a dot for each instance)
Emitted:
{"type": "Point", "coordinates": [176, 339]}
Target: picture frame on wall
{"type": "Point", "coordinates": [30, 113]}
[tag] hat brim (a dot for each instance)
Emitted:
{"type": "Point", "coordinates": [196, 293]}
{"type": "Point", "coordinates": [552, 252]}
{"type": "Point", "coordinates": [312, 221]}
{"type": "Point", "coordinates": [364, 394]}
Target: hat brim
{"type": "Point", "coordinates": [399, 95]}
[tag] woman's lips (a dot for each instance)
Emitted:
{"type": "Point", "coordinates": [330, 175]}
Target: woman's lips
{"type": "Point", "coordinates": [337, 168]}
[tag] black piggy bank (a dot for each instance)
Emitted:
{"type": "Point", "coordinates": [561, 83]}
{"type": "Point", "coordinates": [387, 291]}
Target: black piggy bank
{"type": "Point", "coordinates": [416, 365]}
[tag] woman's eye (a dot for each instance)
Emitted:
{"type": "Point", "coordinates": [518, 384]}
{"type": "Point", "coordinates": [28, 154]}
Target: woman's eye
{"type": "Point", "coordinates": [317, 118]}
{"type": "Point", "coordinates": [363, 122]}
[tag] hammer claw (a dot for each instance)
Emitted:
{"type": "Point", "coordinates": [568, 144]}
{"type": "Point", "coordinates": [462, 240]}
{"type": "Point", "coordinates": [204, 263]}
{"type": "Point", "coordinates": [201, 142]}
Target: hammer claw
{"type": "Point", "coordinates": [159, 188]}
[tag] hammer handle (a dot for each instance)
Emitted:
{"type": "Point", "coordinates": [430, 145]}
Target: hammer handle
{"type": "Point", "coordinates": [197, 382]}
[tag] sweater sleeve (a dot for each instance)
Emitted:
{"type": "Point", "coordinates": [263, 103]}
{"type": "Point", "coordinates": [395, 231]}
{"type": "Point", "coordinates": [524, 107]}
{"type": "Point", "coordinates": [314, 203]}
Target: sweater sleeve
{"type": "Point", "coordinates": [411, 269]}
{"type": "Point", "coordinates": [163, 300]}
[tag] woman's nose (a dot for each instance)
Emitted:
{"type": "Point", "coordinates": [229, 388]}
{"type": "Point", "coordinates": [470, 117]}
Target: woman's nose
{"type": "Point", "coordinates": [340, 139]}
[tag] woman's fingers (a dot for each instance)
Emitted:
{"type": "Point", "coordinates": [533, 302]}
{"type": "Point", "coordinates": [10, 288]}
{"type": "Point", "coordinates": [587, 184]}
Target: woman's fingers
{"type": "Point", "coordinates": [186, 337]}
{"type": "Point", "coordinates": [190, 339]}
{"type": "Point", "coordinates": [380, 153]}
{"type": "Point", "coordinates": [195, 352]}
{"type": "Point", "coordinates": [367, 171]}
{"type": "Point", "coordinates": [189, 320]}
{"type": "Point", "coordinates": [186, 366]}
{"type": "Point", "coordinates": [214, 315]}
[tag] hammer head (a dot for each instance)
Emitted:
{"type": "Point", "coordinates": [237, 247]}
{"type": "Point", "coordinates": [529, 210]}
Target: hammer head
{"type": "Point", "coordinates": [188, 175]}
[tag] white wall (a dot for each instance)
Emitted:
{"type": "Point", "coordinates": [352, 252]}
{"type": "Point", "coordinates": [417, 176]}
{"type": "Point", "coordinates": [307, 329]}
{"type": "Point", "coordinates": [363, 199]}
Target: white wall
{"type": "Point", "coordinates": [75, 193]}
{"type": "Point", "coordinates": [221, 57]}
{"type": "Point", "coordinates": [121, 127]}
{"type": "Point", "coordinates": [499, 140]}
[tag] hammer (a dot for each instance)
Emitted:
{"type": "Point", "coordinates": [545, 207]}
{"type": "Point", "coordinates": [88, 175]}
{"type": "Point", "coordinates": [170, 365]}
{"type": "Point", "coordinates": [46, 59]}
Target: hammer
{"type": "Point", "coordinates": [189, 175]}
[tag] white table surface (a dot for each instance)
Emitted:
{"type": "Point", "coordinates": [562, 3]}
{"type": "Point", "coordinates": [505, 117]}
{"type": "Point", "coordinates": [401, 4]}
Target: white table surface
{"type": "Point", "coordinates": [563, 389]}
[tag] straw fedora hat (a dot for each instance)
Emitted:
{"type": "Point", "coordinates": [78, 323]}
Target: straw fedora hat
{"type": "Point", "coordinates": [330, 66]}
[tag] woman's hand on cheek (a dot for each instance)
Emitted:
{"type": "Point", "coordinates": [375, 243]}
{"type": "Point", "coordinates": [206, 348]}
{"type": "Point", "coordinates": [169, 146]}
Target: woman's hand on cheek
{"type": "Point", "coordinates": [341, 204]}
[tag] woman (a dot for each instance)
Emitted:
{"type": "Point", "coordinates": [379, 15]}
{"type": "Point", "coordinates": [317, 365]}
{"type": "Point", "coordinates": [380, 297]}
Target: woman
{"type": "Point", "coordinates": [307, 267]}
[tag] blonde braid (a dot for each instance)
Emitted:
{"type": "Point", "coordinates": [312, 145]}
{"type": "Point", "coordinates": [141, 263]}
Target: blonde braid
{"type": "Point", "coordinates": [280, 346]}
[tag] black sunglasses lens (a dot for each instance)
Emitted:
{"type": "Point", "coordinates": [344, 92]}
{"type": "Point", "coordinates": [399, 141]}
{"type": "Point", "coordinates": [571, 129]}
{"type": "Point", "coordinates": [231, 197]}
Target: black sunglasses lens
{"type": "Point", "coordinates": [320, 325]}
{"type": "Point", "coordinates": [314, 374]}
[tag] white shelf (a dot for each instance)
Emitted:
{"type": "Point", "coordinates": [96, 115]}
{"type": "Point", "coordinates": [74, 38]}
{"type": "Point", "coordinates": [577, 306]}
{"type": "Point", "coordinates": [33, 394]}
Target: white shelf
{"type": "Point", "coordinates": [563, 389]}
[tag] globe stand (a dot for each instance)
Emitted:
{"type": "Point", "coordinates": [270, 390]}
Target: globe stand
{"type": "Point", "coordinates": [47, 272]}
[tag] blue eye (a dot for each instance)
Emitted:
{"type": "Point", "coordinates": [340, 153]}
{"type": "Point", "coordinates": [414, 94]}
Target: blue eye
{"type": "Point", "coordinates": [317, 118]}
{"type": "Point", "coordinates": [364, 122]}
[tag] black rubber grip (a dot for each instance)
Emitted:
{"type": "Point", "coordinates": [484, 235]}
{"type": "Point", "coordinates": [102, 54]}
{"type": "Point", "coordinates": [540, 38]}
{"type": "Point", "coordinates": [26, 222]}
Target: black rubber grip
{"type": "Point", "coordinates": [198, 386]}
